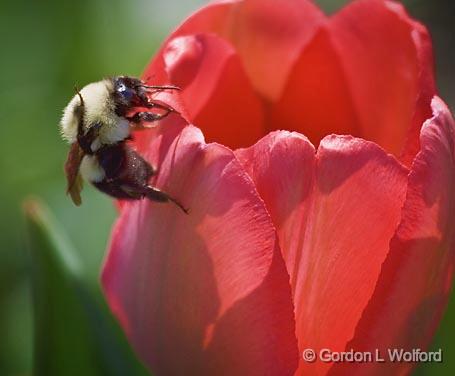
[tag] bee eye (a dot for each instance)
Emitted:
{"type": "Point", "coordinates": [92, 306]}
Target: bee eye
{"type": "Point", "coordinates": [125, 91]}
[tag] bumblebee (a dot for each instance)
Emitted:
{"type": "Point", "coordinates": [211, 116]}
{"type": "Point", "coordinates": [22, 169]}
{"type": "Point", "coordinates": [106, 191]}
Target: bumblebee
{"type": "Point", "coordinates": [97, 123]}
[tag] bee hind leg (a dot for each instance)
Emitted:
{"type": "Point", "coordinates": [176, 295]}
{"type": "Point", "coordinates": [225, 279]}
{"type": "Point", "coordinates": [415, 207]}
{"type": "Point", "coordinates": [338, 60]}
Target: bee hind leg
{"type": "Point", "coordinates": [155, 194]}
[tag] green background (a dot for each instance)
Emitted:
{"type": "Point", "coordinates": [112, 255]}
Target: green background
{"type": "Point", "coordinates": [46, 48]}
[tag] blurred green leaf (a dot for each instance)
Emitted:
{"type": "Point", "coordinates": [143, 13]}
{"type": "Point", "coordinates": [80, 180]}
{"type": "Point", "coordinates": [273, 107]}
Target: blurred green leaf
{"type": "Point", "coordinates": [444, 341]}
{"type": "Point", "coordinates": [74, 333]}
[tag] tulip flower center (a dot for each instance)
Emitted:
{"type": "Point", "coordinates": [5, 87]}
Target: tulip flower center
{"type": "Point", "coordinates": [326, 89]}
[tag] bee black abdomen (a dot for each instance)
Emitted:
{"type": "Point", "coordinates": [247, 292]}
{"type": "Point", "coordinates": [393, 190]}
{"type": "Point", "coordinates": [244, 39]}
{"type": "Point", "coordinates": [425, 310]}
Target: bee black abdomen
{"type": "Point", "coordinates": [127, 173]}
{"type": "Point", "coordinates": [111, 159]}
{"type": "Point", "coordinates": [116, 191]}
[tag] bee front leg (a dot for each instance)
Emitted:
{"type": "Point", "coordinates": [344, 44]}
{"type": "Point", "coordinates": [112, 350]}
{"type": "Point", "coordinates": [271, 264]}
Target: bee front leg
{"type": "Point", "coordinates": [150, 103]}
{"type": "Point", "coordinates": [147, 117]}
{"type": "Point", "coordinates": [161, 106]}
{"type": "Point", "coordinates": [155, 194]}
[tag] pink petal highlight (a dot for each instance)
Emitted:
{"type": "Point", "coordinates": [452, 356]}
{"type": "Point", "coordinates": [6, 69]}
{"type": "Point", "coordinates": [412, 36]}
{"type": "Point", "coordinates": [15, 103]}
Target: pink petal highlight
{"type": "Point", "coordinates": [205, 293]}
{"type": "Point", "coordinates": [335, 212]}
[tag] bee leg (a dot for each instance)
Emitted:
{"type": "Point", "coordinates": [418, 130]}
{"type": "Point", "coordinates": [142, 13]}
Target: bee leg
{"type": "Point", "coordinates": [155, 194]}
{"type": "Point", "coordinates": [132, 192]}
{"type": "Point", "coordinates": [161, 106]}
{"type": "Point", "coordinates": [85, 140]}
{"type": "Point", "coordinates": [150, 103]}
{"type": "Point", "coordinates": [146, 117]}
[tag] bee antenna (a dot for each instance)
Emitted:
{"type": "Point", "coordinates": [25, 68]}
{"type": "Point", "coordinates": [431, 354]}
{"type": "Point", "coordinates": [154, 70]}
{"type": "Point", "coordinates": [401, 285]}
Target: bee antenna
{"type": "Point", "coordinates": [79, 94]}
{"type": "Point", "coordinates": [159, 87]}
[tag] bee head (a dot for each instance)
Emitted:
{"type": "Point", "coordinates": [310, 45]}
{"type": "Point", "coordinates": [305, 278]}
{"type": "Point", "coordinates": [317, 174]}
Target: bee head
{"type": "Point", "coordinates": [128, 92]}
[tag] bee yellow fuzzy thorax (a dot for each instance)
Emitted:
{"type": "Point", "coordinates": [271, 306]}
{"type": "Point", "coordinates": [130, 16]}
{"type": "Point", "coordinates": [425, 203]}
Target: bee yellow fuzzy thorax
{"type": "Point", "coordinates": [99, 108]}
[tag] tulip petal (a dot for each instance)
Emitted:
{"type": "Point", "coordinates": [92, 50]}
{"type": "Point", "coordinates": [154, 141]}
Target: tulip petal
{"type": "Point", "coordinates": [367, 72]}
{"type": "Point", "coordinates": [335, 212]}
{"type": "Point", "coordinates": [266, 33]}
{"type": "Point", "coordinates": [205, 293]}
{"type": "Point", "coordinates": [317, 99]}
{"type": "Point", "coordinates": [417, 275]}
{"type": "Point", "coordinates": [387, 61]}
{"type": "Point", "coordinates": [215, 89]}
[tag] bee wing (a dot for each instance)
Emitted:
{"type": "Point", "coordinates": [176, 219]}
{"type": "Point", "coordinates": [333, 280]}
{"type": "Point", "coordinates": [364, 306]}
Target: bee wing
{"type": "Point", "coordinates": [73, 178]}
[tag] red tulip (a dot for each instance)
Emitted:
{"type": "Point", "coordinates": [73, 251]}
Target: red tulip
{"type": "Point", "coordinates": [288, 246]}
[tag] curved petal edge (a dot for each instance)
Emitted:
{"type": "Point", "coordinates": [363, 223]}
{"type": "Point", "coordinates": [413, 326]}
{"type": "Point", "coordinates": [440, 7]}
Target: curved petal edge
{"type": "Point", "coordinates": [205, 293]}
{"type": "Point", "coordinates": [417, 276]}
